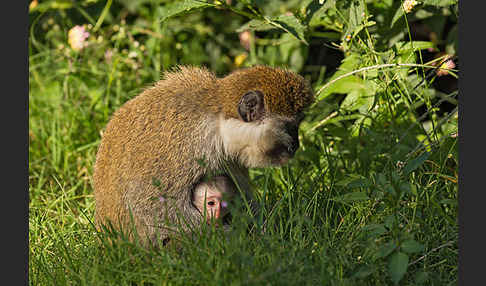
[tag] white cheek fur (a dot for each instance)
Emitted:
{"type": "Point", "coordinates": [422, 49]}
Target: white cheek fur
{"type": "Point", "coordinates": [249, 141]}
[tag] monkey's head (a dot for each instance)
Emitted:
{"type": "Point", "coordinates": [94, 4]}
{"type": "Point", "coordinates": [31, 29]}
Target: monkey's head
{"type": "Point", "coordinates": [212, 198]}
{"type": "Point", "coordinates": [263, 108]}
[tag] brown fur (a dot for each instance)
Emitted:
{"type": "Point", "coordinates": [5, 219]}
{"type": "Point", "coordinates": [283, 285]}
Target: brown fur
{"type": "Point", "coordinates": [162, 133]}
{"type": "Point", "coordinates": [286, 93]}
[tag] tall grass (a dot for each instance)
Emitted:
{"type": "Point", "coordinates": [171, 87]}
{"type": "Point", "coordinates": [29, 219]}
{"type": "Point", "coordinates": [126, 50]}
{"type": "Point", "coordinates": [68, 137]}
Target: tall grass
{"type": "Point", "coordinates": [370, 197]}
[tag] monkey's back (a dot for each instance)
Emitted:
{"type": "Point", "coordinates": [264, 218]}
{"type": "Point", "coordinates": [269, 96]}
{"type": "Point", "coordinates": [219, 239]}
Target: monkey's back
{"type": "Point", "coordinates": [159, 135]}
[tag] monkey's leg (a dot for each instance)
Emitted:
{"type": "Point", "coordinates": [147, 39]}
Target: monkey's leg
{"type": "Point", "coordinates": [147, 211]}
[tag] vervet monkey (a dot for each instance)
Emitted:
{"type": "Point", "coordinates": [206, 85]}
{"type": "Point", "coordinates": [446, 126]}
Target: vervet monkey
{"type": "Point", "coordinates": [190, 124]}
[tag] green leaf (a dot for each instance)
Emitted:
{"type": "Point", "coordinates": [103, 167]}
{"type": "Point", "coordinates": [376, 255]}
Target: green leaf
{"type": "Point", "coordinates": [364, 271]}
{"type": "Point", "coordinates": [390, 221]}
{"type": "Point", "coordinates": [348, 64]}
{"type": "Point", "coordinates": [386, 249]}
{"type": "Point", "coordinates": [362, 26]}
{"type": "Point", "coordinates": [182, 7]}
{"type": "Point", "coordinates": [352, 197]}
{"type": "Point", "coordinates": [421, 277]}
{"type": "Point", "coordinates": [287, 23]}
{"type": "Point", "coordinates": [316, 16]}
{"type": "Point", "coordinates": [362, 122]}
{"type": "Point", "coordinates": [413, 46]}
{"type": "Point", "coordinates": [388, 189]}
{"type": "Point", "coordinates": [405, 187]}
{"type": "Point", "coordinates": [439, 3]}
{"type": "Point", "coordinates": [423, 14]}
{"type": "Point", "coordinates": [343, 86]}
{"type": "Point", "coordinates": [381, 179]}
{"type": "Point", "coordinates": [289, 44]}
{"type": "Point", "coordinates": [398, 14]}
{"type": "Point", "coordinates": [451, 41]}
{"type": "Point", "coordinates": [411, 246]}
{"type": "Point", "coordinates": [397, 266]}
{"type": "Point", "coordinates": [356, 18]}
{"type": "Point", "coordinates": [358, 99]}
{"type": "Point", "coordinates": [292, 25]}
{"type": "Point", "coordinates": [350, 178]}
{"type": "Point", "coordinates": [448, 202]}
{"type": "Point", "coordinates": [256, 25]}
{"type": "Point", "coordinates": [350, 83]}
{"type": "Point", "coordinates": [413, 189]}
{"type": "Point", "coordinates": [359, 183]}
{"type": "Point", "coordinates": [352, 100]}
{"type": "Point", "coordinates": [415, 163]}
{"type": "Point", "coordinates": [297, 60]}
{"type": "Point", "coordinates": [133, 5]}
{"type": "Point", "coordinates": [374, 230]}
{"type": "Point", "coordinates": [310, 154]}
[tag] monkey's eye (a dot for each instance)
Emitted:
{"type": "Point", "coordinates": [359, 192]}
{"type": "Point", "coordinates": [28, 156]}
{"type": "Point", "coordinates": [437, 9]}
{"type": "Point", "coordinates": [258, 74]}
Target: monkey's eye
{"type": "Point", "coordinates": [211, 203]}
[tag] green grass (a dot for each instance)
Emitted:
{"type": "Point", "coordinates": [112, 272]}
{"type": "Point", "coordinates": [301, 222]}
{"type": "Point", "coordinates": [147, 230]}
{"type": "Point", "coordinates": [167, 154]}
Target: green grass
{"type": "Point", "coordinates": [370, 197]}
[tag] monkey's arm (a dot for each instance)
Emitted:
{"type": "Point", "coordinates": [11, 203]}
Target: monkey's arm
{"type": "Point", "coordinates": [241, 178]}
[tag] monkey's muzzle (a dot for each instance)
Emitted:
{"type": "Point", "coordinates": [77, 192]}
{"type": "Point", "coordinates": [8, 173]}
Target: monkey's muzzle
{"type": "Point", "coordinates": [293, 130]}
{"type": "Point", "coordinates": [281, 154]}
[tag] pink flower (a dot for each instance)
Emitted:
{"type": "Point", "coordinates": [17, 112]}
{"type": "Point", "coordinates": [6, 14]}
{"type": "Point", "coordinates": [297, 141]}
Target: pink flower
{"type": "Point", "coordinates": [108, 55]}
{"type": "Point", "coordinates": [245, 38]}
{"type": "Point", "coordinates": [77, 38]}
{"type": "Point", "coordinates": [224, 204]}
{"type": "Point", "coordinates": [449, 64]}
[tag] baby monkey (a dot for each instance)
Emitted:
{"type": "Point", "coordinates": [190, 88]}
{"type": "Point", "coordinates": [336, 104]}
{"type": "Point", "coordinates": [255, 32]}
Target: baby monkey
{"type": "Point", "coordinates": [211, 198]}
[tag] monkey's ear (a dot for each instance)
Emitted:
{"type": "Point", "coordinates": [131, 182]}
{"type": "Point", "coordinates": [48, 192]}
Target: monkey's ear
{"type": "Point", "coordinates": [251, 106]}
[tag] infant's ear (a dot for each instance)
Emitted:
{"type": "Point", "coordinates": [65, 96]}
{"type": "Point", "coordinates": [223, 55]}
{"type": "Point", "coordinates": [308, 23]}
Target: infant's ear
{"type": "Point", "coordinates": [251, 106]}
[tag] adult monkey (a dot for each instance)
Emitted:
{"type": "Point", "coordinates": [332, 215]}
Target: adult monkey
{"type": "Point", "coordinates": [249, 118]}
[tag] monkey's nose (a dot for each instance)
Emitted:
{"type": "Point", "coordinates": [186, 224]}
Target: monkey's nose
{"type": "Point", "coordinates": [294, 146]}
